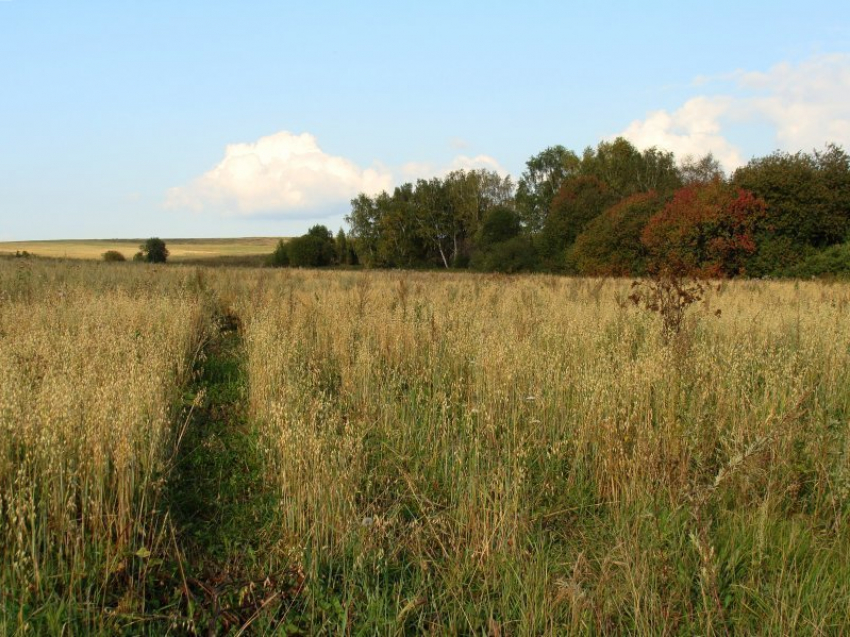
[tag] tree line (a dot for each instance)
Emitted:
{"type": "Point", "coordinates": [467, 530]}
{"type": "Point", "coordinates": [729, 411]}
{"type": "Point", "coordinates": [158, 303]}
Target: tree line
{"type": "Point", "coordinates": [613, 210]}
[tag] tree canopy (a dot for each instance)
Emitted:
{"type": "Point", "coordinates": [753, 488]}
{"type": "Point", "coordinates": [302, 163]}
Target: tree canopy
{"type": "Point", "coordinates": [154, 251]}
{"type": "Point", "coordinates": [611, 210]}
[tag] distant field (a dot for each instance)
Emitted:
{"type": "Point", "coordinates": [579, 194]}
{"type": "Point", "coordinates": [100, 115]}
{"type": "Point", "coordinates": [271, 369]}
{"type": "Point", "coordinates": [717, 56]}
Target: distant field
{"type": "Point", "coordinates": [179, 249]}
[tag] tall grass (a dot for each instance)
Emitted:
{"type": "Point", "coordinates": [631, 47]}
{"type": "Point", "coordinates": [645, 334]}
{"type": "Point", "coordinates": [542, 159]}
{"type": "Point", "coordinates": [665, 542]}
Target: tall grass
{"type": "Point", "coordinates": [456, 454]}
{"type": "Point", "coordinates": [526, 455]}
{"type": "Point", "coordinates": [90, 360]}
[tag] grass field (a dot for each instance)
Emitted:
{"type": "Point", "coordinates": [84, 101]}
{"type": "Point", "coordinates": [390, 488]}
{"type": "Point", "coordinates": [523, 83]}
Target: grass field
{"type": "Point", "coordinates": [224, 451]}
{"type": "Point", "coordinates": [179, 249]}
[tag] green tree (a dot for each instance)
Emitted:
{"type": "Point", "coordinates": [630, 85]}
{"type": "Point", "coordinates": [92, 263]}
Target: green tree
{"type": "Point", "coordinates": [437, 226]}
{"type": "Point", "coordinates": [364, 231]}
{"type": "Point", "coordinates": [579, 200]}
{"type": "Point", "coordinates": [808, 203]}
{"type": "Point", "coordinates": [343, 252]}
{"type": "Point", "coordinates": [154, 251]}
{"type": "Point", "coordinates": [500, 224]}
{"type": "Point", "coordinates": [280, 256]}
{"type": "Point", "coordinates": [543, 176]}
{"type": "Point", "coordinates": [626, 171]}
{"type": "Point", "coordinates": [399, 244]}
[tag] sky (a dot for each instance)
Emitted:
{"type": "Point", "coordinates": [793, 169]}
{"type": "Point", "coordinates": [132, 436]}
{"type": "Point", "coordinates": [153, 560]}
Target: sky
{"type": "Point", "coordinates": [226, 119]}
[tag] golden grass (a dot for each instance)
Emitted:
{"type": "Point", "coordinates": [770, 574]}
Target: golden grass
{"type": "Point", "coordinates": [525, 455]}
{"type": "Point", "coordinates": [179, 249]}
{"type": "Point", "coordinates": [90, 361]}
{"type": "Point", "coordinates": [456, 453]}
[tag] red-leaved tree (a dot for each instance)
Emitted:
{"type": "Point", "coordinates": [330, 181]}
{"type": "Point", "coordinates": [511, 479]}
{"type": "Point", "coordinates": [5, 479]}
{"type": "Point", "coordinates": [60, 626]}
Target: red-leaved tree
{"type": "Point", "coordinates": [707, 230]}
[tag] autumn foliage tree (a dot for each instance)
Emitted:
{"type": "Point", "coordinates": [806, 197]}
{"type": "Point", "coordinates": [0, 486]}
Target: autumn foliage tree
{"type": "Point", "coordinates": [706, 230]}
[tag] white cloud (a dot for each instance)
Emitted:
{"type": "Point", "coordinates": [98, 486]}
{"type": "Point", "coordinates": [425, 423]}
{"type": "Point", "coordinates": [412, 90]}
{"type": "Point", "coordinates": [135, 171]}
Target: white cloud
{"type": "Point", "coordinates": [694, 129]}
{"type": "Point", "coordinates": [290, 174]}
{"type": "Point", "coordinates": [806, 105]}
{"type": "Point", "coordinates": [412, 171]}
{"type": "Point", "coordinates": [280, 173]}
{"type": "Point", "coordinates": [809, 104]}
{"type": "Point", "coordinates": [479, 162]}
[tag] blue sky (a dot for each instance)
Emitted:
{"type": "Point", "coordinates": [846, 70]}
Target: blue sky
{"type": "Point", "coordinates": [183, 118]}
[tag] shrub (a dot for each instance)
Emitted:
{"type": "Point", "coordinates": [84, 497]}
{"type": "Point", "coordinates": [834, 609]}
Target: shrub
{"type": "Point", "coordinates": [312, 250]}
{"type": "Point", "coordinates": [514, 255]}
{"type": "Point", "coordinates": [669, 296]}
{"type": "Point", "coordinates": [113, 256]}
{"type": "Point", "coordinates": [830, 262]}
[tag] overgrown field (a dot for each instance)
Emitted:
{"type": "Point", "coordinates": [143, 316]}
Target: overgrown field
{"type": "Point", "coordinates": [290, 452]}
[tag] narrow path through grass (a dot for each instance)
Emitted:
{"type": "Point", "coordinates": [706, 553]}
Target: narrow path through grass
{"type": "Point", "coordinates": [221, 574]}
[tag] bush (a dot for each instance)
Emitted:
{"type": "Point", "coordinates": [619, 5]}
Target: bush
{"type": "Point", "coordinates": [830, 262]}
{"type": "Point", "coordinates": [312, 250]}
{"type": "Point", "coordinates": [113, 256]}
{"type": "Point", "coordinates": [514, 255]}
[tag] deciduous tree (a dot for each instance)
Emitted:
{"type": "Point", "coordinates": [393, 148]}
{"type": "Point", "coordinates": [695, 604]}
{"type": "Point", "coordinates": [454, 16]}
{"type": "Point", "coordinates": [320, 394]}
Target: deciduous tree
{"type": "Point", "coordinates": [611, 243]}
{"type": "Point", "coordinates": [706, 230]}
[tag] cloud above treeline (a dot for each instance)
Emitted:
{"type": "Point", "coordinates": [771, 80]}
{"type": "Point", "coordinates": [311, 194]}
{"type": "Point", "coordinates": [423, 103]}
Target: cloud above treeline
{"type": "Point", "coordinates": [806, 105]}
{"type": "Point", "coordinates": [289, 174]}
{"type": "Point", "coordinates": [279, 173]}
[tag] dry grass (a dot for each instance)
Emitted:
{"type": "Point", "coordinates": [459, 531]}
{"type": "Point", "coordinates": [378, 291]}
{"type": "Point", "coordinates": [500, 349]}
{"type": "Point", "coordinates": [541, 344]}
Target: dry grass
{"type": "Point", "coordinates": [90, 361]}
{"type": "Point", "coordinates": [456, 453]}
{"type": "Point", "coordinates": [525, 456]}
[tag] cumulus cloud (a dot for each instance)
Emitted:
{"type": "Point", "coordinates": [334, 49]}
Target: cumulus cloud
{"type": "Point", "coordinates": [809, 104]}
{"type": "Point", "coordinates": [806, 105]}
{"type": "Point", "coordinates": [290, 174]}
{"type": "Point", "coordinates": [694, 129]}
{"type": "Point", "coordinates": [281, 173]}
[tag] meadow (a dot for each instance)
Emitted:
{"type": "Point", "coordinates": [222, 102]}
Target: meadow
{"type": "Point", "coordinates": [220, 451]}
{"type": "Point", "coordinates": [181, 250]}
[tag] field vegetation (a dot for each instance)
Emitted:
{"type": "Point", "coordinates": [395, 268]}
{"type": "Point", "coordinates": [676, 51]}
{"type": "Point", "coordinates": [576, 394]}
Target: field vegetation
{"type": "Point", "coordinates": [222, 451]}
{"type": "Point", "coordinates": [248, 250]}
